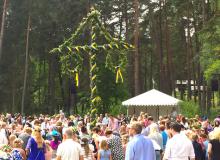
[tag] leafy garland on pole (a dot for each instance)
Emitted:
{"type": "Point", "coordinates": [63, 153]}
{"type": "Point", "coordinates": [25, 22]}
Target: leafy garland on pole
{"type": "Point", "coordinates": [71, 55]}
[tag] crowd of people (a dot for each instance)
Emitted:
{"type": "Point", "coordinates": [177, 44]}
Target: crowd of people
{"type": "Point", "coordinates": [140, 137]}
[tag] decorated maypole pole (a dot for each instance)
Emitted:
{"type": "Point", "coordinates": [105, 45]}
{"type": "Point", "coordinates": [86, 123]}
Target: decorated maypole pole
{"type": "Point", "coordinates": [71, 54]}
{"type": "Point", "coordinates": [92, 72]}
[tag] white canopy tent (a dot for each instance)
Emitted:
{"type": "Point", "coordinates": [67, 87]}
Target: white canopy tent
{"type": "Point", "coordinates": [153, 102]}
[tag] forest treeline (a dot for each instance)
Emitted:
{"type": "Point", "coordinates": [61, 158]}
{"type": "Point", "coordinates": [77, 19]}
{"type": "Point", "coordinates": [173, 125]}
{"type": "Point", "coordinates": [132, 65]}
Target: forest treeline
{"type": "Point", "coordinates": [177, 51]}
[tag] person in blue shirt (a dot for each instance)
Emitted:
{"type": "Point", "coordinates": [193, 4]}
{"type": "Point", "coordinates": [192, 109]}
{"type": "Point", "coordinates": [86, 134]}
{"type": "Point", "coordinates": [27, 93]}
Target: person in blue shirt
{"type": "Point", "coordinates": [164, 136]}
{"type": "Point", "coordinates": [140, 147]}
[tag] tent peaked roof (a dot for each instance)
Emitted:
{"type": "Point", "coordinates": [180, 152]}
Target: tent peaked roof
{"type": "Point", "coordinates": [152, 98]}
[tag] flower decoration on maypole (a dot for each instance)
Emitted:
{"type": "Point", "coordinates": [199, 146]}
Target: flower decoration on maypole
{"type": "Point", "coordinates": [71, 54]}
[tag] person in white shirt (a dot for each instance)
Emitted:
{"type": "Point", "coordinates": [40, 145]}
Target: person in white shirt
{"type": "Point", "coordinates": [179, 147]}
{"type": "Point", "coordinates": [45, 126]}
{"type": "Point", "coordinates": [69, 149]}
{"type": "Point", "coordinates": [3, 139]}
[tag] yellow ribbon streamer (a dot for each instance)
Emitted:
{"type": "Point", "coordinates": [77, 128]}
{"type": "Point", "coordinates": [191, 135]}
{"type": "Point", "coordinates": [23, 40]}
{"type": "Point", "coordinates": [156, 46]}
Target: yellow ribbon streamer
{"type": "Point", "coordinates": [119, 74]}
{"type": "Point", "coordinates": [77, 78]}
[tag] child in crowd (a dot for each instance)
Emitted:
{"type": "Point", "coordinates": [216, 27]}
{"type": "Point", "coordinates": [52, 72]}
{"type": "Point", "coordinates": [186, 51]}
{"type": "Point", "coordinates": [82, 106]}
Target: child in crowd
{"type": "Point", "coordinates": [87, 149]}
{"type": "Point", "coordinates": [124, 140]}
{"type": "Point", "coordinates": [104, 153]}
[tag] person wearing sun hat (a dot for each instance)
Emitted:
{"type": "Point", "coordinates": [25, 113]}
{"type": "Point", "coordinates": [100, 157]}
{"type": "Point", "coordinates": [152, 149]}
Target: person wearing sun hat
{"type": "Point", "coordinates": [54, 143]}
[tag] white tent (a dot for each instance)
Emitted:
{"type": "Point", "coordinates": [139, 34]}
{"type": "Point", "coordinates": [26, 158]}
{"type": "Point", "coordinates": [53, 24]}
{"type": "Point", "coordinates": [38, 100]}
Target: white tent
{"type": "Point", "coordinates": [153, 102]}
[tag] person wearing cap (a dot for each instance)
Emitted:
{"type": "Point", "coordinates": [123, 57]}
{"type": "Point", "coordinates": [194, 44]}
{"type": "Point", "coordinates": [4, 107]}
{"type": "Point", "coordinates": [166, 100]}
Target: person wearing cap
{"type": "Point", "coordinates": [179, 147]}
{"type": "Point", "coordinates": [69, 149]}
{"type": "Point", "coordinates": [140, 147]}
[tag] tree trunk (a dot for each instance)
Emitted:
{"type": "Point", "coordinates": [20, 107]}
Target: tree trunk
{"type": "Point", "coordinates": [120, 17]}
{"type": "Point", "coordinates": [2, 26]}
{"type": "Point", "coordinates": [188, 57]}
{"type": "Point", "coordinates": [161, 52]}
{"type": "Point", "coordinates": [51, 85]}
{"type": "Point", "coordinates": [169, 55]}
{"type": "Point", "coordinates": [218, 99]}
{"type": "Point", "coordinates": [197, 52]}
{"type": "Point", "coordinates": [125, 15]}
{"type": "Point", "coordinates": [13, 96]}
{"type": "Point", "coordinates": [39, 84]}
{"type": "Point", "coordinates": [61, 87]}
{"type": "Point", "coordinates": [204, 92]}
{"type": "Point", "coordinates": [136, 44]}
{"type": "Point", "coordinates": [152, 34]}
{"type": "Point", "coordinates": [26, 66]}
{"type": "Point", "coordinates": [130, 56]}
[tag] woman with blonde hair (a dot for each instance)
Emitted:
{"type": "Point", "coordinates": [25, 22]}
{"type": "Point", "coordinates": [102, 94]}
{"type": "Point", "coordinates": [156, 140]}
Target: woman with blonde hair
{"type": "Point", "coordinates": [36, 147]}
{"type": "Point", "coordinates": [11, 139]}
{"type": "Point", "coordinates": [155, 135]}
{"type": "Point", "coordinates": [214, 145]}
{"type": "Point", "coordinates": [104, 153]}
{"type": "Point", "coordinates": [17, 149]}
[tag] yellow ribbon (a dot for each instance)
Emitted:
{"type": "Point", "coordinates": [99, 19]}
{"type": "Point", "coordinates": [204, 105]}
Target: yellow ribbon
{"type": "Point", "coordinates": [69, 48]}
{"type": "Point", "coordinates": [93, 56]}
{"type": "Point", "coordinates": [77, 78]}
{"type": "Point", "coordinates": [93, 89]}
{"type": "Point", "coordinates": [93, 67]}
{"type": "Point", "coordinates": [93, 100]}
{"type": "Point", "coordinates": [93, 36]}
{"type": "Point", "coordinates": [125, 46]}
{"type": "Point", "coordinates": [93, 77]}
{"type": "Point", "coordinates": [110, 46]}
{"type": "Point", "coordinates": [77, 48]}
{"type": "Point", "coordinates": [118, 74]}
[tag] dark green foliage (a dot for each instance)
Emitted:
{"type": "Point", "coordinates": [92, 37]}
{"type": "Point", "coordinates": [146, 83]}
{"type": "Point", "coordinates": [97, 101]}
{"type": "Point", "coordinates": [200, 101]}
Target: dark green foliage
{"type": "Point", "coordinates": [53, 21]}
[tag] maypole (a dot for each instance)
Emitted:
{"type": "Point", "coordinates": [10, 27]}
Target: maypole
{"type": "Point", "coordinates": [71, 54]}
